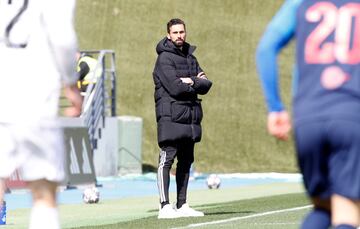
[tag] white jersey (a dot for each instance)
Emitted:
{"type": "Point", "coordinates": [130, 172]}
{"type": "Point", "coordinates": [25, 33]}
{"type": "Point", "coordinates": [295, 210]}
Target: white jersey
{"type": "Point", "coordinates": [37, 53]}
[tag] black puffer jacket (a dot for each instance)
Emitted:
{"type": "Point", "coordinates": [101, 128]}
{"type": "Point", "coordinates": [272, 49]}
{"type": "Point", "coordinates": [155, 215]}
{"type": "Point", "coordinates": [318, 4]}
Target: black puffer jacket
{"type": "Point", "coordinates": [178, 109]}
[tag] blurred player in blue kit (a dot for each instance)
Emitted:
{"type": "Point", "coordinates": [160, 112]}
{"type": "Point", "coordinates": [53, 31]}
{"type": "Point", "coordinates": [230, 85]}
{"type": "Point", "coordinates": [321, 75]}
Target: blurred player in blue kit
{"type": "Point", "coordinates": [326, 105]}
{"type": "Point", "coordinates": [37, 56]}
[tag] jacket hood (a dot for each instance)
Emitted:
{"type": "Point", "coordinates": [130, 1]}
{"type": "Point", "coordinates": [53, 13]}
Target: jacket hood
{"type": "Point", "coordinates": [165, 45]}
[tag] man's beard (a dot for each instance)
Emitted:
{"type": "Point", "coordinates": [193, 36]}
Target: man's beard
{"type": "Point", "coordinates": [178, 43]}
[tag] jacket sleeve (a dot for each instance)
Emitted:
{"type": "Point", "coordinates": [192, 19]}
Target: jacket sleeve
{"type": "Point", "coordinates": [201, 86]}
{"type": "Point", "coordinates": [279, 32]}
{"type": "Point", "coordinates": [58, 18]}
{"type": "Point", "coordinates": [167, 75]}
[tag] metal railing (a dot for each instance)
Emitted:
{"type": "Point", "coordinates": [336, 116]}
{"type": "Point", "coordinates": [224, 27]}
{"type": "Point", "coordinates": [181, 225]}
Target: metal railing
{"type": "Point", "coordinates": [100, 98]}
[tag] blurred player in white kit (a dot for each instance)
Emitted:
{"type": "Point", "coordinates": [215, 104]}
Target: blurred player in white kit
{"type": "Point", "coordinates": [37, 57]}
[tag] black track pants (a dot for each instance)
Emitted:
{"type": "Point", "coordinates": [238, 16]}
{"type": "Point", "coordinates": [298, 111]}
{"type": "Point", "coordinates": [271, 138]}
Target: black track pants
{"type": "Point", "coordinates": [184, 151]}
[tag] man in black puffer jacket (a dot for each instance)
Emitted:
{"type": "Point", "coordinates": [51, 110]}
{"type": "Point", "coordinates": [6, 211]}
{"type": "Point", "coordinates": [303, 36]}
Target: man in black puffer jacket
{"type": "Point", "coordinates": [178, 80]}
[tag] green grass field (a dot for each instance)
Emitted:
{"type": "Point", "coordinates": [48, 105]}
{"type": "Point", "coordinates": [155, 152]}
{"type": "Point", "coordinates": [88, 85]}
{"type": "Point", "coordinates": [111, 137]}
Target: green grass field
{"type": "Point", "coordinates": [252, 206]}
{"type": "Point", "coordinates": [246, 207]}
{"type": "Point", "coordinates": [282, 211]}
{"type": "Point", "coordinates": [226, 33]}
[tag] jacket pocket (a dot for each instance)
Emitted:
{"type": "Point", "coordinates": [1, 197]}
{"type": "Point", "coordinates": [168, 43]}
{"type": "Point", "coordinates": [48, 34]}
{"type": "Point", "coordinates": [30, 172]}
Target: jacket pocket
{"type": "Point", "coordinates": [158, 111]}
{"type": "Point", "coordinates": [181, 112]}
{"type": "Point", "coordinates": [197, 112]}
{"type": "Point", "coordinates": [163, 110]}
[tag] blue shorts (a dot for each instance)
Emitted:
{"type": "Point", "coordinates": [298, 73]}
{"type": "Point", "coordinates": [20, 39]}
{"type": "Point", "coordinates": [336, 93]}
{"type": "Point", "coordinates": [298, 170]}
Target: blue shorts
{"type": "Point", "coordinates": [329, 157]}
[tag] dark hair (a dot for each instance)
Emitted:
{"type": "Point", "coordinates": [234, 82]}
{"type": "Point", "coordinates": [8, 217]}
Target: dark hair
{"type": "Point", "coordinates": [174, 21]}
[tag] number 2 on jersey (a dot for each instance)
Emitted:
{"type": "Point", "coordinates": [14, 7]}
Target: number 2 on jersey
{"type": "Point", "coordinates": [12, 23]}
{"type": "Point", "coordinates": [343, 23]}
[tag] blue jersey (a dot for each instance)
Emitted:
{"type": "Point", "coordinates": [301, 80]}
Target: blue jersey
{"type": "Point", "coordinates": [327, 58]}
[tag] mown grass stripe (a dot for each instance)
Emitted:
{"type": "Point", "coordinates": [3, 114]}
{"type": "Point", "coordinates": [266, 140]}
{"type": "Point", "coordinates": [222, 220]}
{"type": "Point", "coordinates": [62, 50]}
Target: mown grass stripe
{"type": "Point", "coordinates": [245, 217]}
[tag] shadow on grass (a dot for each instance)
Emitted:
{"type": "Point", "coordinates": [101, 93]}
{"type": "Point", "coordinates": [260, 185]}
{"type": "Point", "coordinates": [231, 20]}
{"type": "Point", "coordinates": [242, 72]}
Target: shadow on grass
{"type": "Point", "coordinates": [147, 168]}
{"type": "Point", "coordinates": [219, 212]}
{"type": "Point", "coordinates": [212, 206]}
{"type": "Point", "coordinates": [228, 212]}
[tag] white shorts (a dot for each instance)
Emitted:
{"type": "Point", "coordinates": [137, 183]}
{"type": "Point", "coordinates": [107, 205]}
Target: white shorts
{"type": "Point", "coordinates": [36, 152]}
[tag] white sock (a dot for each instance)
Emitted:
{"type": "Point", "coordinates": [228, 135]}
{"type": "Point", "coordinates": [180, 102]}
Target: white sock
{"type": "Point", "coordinates": [43, 217]}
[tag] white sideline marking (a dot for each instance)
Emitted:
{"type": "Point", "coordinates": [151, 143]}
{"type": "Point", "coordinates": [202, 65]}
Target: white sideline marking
{"type": "Point", "coordinates": [267, 224]}
{"type": "Point", "coordinates": [245, 217]}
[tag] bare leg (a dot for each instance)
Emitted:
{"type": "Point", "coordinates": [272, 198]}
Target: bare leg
{"type": "Point", "coordinates": [321, 203]}
{"type": "Point", "coordinates": [2, 190]}
{"type": "Point", "coordinates": [345, 211]}
{"type": "Point", "coordinates": [44, 214]}
{"type": "Point", "coordinates": [43, 192]}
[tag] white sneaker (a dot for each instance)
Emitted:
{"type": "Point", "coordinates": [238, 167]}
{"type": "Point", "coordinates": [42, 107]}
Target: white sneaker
{"type": "Point", "coordinates": [168, 212]}
{"type": "Point", "coordinates": [186, 211]}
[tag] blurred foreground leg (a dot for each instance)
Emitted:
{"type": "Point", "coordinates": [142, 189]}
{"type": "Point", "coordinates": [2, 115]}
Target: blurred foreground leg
{"type": "Point", "coordinates": [345, 212]}
{"type": "Point", "coordinates": [44, 214]}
